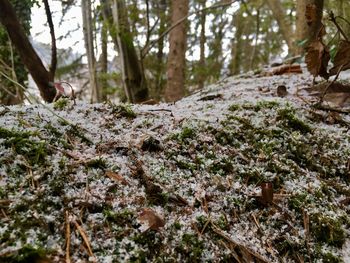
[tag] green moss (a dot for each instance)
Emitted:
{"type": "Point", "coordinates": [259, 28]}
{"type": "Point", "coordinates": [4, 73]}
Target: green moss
{"type": "Point", "coordinates": [78, 132]}
{"type": "Point", "coordinates": [61, 103]}
{"type": "Point", "coordinates": [222, 222]}
{"type": "Point", "coordinates": [151, 243]}
{"type": "Point", "coordinates": [298, 202]}
{"type": "Point", "coordinates": [177, 225]}
{"type": "Point", "coordinates": [26, 254]}
{"type": "Point", "coordinates": [222, 167]}
{"type": "Point", "coordinates": [264, 104]}
{"type": "Point", "coordinates": [287, 246]}
{"type": "Point", "coordinates": [187, 133]}
{"type": "Point", "coordinates": [289, 119]}
{"type": "Point", "coordinates": [121, 218]}
{"type": "Point", "coordinates": [191, 248]}
{"type": "Point", "coordinates": [330, 258]}
{"type": "Point", "coordinates": [123, 110]}
{"type": "Point", "coordinates": [327, 229]}
{"type": "Point", "coordinates": [25, 143]}
{"type": "Point", "coordinates": [98, 163]}
{"type": "Point", "coordinates": [234, 107]}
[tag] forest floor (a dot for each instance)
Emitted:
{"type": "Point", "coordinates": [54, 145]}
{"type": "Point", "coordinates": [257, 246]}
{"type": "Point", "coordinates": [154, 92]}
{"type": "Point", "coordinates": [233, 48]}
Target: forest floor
{"type": "Point", "coordinates": [179, 182]}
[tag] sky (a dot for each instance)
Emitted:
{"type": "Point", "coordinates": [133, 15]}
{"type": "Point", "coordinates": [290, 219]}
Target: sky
{"type": "Point", "coordinates": [73, 20]}
{"type": "Point", "coordinates": [41, 32]}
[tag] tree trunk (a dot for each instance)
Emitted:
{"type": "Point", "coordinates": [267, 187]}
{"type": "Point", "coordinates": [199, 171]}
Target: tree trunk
{"type": "Point", "coordinates": [104, 61]}
{"type": "Point", "coordinates": [29, 57]}
{"type": "Point", "coordinates": [175, 88]}
{"type": "Point", "coordinates": [90, 52]}
{"type": "Point", "coordinates": [160, 54]}
{"type": "Point", "coordinates": [305, 32]}
{"type": "Point", "coordinates": [285, 28]}
{"type": "Point", "coordinates": [202, 41]}
{"type": "Point", "coordinates": [133, 75]}
{"type": "Point", "coordinates": [237, 43]}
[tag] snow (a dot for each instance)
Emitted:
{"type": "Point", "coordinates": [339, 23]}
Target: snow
{"type": "Point", "coordinates": [218, 180]}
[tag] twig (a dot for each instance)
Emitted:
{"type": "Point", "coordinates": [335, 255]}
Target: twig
{"type": "Point", "coordinates": [318, 106]}
{"type": "Point", "coordinates": [331, 83]}
{"type": "Point", "coordinates": [226, 237]}
{"type": "Point", "coordinates": [68, 233]}
{"type": "Point", "coordinates": [332, 18]}
{"type": "Point", "coordinates": [306, 220]}
{"type": "Point", "coordinates": [206, 224]}
{"type": "Point", "coordinates": [85, 238]}
{"type": "Point", "coordinates": [53, 39]}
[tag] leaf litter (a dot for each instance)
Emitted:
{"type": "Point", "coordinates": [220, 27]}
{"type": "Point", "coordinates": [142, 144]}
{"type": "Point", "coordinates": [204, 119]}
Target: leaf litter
{"type": "Point", "coordinates": [232, 173]}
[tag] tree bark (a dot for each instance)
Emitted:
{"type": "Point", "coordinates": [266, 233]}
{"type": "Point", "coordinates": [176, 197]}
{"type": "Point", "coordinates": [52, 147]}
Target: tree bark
{"type": "Point", "coordinates": [133, 75]}
{"type": "Point", "coordinates": [90, 52]}
{"type": "Point", "coordinates": [202, 41]}
{"type": "Point", "coordinates": [104, 61]}
{"type": "Point", "coordinates": [29, 57]}
{"type": "Point", "coordinates": [285, 28]}
{"type": "Point", "coordinates": [305, 32]}
{"type": "Point", "coordinates": [237, 43]}
{"type": "Point", "coordinates": [53, 64]}
{"type": "Point", "coordinates": [175, 88]}
{"type": "Point", "coordinates": [160, 45]}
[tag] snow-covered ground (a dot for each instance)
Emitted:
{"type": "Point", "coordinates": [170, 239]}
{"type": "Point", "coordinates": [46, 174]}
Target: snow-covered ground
{"type": "Point", "coordinates": [178, 182]}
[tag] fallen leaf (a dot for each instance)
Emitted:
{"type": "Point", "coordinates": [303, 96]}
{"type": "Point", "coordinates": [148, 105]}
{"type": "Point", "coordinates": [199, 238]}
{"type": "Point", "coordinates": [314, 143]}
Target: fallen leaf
{"type": "Point", "coordinates": [151, 219]}
{"type": "Point", "coordinates": [342, 58]}
{"type": "Point", "coordinates": [116, 177]}
{"type": "Point", "coordinates": [317, 58]}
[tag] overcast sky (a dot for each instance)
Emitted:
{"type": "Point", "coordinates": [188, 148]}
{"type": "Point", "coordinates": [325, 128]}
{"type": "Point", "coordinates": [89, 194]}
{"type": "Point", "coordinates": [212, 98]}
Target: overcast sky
{"type": "Point", "coordinates": [41, 32]}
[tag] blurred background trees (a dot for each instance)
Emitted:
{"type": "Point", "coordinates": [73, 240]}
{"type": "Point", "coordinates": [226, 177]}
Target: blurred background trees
{"type": "Point", "coordinates": [138, 50]}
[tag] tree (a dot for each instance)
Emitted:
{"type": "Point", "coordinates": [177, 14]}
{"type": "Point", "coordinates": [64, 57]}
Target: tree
{"type": "Point", "coordinates": [202, 42]}
{"type": "Point", "coordinates": [90, 52]}
{"type": "Point", "coordinates": [10, 62]}
{"type": "Point", "coordinates": [175, 88]}
{"type": "Point", "coordinates": [305, 32]}
{"type": "Point", "coordinates": [135, 85]}
{"type": "Point", "coordinates": [42, 77]}
{"type": "Point", "coordinates": [284, 26]}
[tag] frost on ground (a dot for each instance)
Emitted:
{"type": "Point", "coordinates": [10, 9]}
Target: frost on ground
{"type": "Point", "coordinates": [177, 182]}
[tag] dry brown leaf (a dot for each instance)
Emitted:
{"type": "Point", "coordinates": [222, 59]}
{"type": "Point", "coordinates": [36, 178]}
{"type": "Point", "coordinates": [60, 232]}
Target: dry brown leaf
{"type": "Point", "coordinates": [116, 177]}
{"type": "Point", "coordinates": [342, 58]}
{"type": "Point", "coordinates": [151, 218]}
{"type": "Point", "coordinates": [317, 58]}
{"type": "Point", "coordinates": [310, 14]}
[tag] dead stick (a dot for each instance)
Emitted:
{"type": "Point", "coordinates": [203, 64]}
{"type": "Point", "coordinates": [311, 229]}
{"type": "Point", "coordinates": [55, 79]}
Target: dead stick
{"type": "Point", "coordinates": [85, 238]}
{"type": "Point", "coordinates": [67, 238]}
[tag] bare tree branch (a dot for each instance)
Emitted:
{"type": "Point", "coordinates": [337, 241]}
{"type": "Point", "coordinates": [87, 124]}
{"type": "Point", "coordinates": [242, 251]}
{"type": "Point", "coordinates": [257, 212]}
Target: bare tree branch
{"type": "Point", "coordinates": [53, 65]}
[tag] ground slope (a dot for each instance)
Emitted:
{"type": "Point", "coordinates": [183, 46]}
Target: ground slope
{"type": "Point", "coordinates": [177, 182]}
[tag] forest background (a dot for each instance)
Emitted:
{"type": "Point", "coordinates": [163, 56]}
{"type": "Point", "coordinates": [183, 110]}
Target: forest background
{"type": "Point", "coordinates": [160, 50]}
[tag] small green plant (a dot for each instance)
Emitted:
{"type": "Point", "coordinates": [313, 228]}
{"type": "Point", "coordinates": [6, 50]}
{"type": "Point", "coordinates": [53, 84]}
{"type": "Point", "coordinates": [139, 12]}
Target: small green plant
{"type": "Point", "coordinates": [25, 143]}
{"type": "Point", "coordinates": [327, 229]}
{"type": "Point", "coordinates": [27, 253]}
{"type": "Point", "coordinates": [123, 110]}
{"type": "Point", "coordinates": [97, 163]}
{"type": "Point", "coordinates": [61, 103]}
{"type": "Point", "coordinates": [289, 119]}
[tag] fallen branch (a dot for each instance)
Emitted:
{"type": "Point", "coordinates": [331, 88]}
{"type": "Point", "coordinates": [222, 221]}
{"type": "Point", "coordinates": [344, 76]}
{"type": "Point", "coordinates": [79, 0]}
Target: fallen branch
{"type": "Point", "coordinates": [230, 240]}
{"type": "Point", "coordinates": [85, 238]}
{"type": "Point", "coordinates": [68, 233]}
